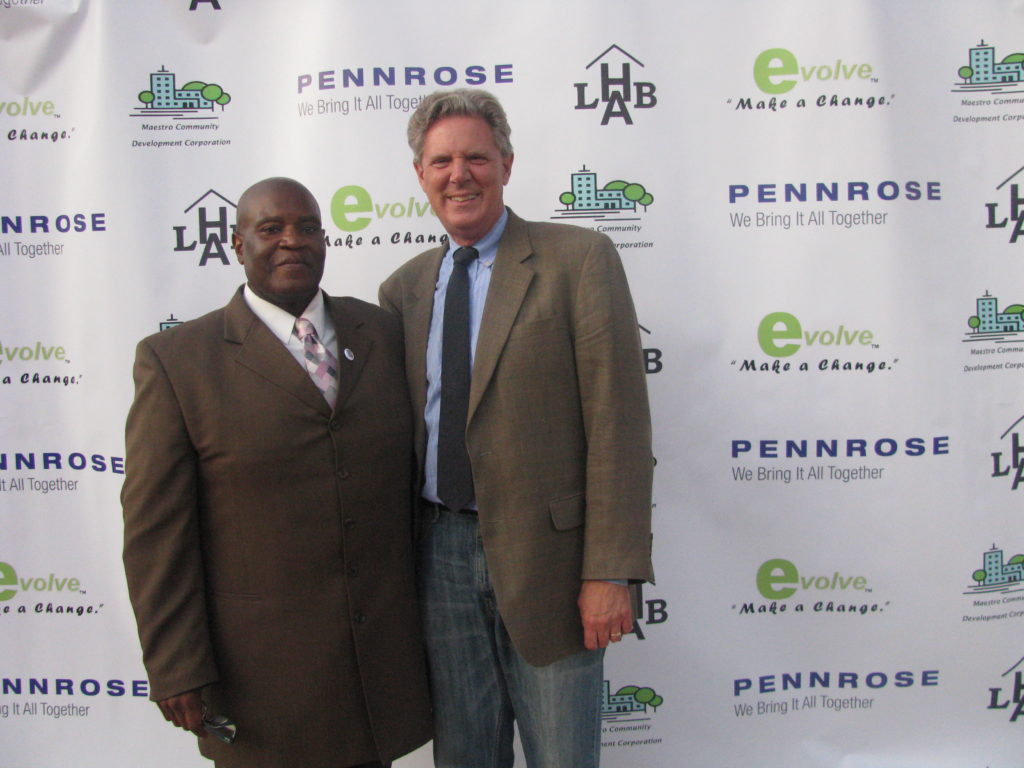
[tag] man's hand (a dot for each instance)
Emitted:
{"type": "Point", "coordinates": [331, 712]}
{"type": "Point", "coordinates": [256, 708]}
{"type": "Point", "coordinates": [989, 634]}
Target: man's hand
{"type": "Point", "coordinates": [186, 711]}
{"type": "Point", "coordinates": [606, 613]}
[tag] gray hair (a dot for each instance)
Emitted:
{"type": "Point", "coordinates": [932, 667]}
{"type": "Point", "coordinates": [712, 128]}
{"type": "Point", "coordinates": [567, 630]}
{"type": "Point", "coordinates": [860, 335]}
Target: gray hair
{"type": "Point", "coordinates": [461, 101]}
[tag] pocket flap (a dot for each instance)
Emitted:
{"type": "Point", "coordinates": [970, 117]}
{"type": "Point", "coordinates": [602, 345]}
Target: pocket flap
{"type": "Point", "coordinates": [567, 513]}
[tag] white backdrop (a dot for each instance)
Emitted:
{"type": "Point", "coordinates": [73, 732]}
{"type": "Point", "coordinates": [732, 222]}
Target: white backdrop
{"type": "Point", "coordinates": [830, 196]}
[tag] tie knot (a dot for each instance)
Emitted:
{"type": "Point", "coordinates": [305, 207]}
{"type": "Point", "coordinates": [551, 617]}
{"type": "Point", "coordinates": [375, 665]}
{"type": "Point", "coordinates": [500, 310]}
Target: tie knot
{"type": "Point", "coordinates": [465, 255]}
{"type": "Point", "coordinates": [304, 328]}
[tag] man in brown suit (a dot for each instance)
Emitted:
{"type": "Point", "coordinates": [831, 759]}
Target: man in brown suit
{"type": "Point", "coordinates": [266, 508]}
{"type": "Point", "coordinates": [536, 452]}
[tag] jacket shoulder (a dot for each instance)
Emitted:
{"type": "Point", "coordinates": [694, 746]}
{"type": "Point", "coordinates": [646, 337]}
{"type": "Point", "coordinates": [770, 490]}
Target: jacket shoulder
{"type": "Point", "coordinates": [188, 334]}
{"type": "Point", "coordinates": [411, 270]}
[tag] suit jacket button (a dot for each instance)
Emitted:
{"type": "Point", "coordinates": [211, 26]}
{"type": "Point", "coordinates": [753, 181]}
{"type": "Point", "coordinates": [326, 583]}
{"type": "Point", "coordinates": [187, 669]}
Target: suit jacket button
{"type": "Point", "coordinates": [335, 425]}
{"type": "Point", "coordinates": [353, 571]}
{"type": "Point", "coordinates": [360, 618]}
{"type": "Point", "coordinates": [342, 472]}
{"type": "Point", "coordinates": [349, 522]}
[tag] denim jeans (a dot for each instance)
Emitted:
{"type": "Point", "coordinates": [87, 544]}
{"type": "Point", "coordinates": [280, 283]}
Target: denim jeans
{"type": "Point", "coordinates": [480, 683]}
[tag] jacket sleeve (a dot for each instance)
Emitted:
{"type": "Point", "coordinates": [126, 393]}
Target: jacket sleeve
{"type": "Point", "coordinates": [162, 557]}
{"type": "Point", "coordinates": [617, 421]}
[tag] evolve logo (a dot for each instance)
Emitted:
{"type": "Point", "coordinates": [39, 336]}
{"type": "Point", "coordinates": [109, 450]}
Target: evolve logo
{"type": "Point", "coordinates": [617, 88]}
{"type": "Point", "coordinates": [213, 4]}
{"type": "Point", "coordinates": [1015, 206]}
{"type": "Point", "coordinates": [983, 73]}
{"type": "Point", "coordinates": [10, 583]}
{"type": "Point", "coordinates": [1011, 465]}
{"type": "Point", "coordinates": [29, 108]}
{"type": "Point", "coordinates": [29, 353]}
{"type": "Point", "coordinates": [617, 200]}
{"type": "Point", "coordinates": [212, 222]}
{"type": "Point", "coordinates": [353, 210]}
{"type": "Point", "coordinates": [778, 580]}
{"type": "Point", "coordinates": [999, 701]}
{"type": "Point", "coordinates": [777, 71]}
{"type": "Point", "coordinates": [34, 354]}
{"type": "Point", "coordinates": [781, 335]}
{"type": "Point", "coordinates": [48, 587]}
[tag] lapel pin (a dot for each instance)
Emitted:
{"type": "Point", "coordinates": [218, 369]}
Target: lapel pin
{"type": "Point", "coordinates": [349, 354]}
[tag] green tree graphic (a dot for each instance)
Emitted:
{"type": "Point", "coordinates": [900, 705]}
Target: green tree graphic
{"type": "Point", "coordinates": [646, 696]}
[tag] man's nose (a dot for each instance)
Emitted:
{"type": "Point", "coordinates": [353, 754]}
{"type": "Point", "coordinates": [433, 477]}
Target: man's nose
{"type": "Point", "coordinates": [291, 236]}
{"type": "Point", "coordinates": [460, 170]}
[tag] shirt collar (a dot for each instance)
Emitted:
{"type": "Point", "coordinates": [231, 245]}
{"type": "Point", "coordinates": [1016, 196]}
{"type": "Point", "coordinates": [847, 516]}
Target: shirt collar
{"type": "Point", "coordinates": [282, 323]}
{"type": "Point", "coordinates": [486, 246]}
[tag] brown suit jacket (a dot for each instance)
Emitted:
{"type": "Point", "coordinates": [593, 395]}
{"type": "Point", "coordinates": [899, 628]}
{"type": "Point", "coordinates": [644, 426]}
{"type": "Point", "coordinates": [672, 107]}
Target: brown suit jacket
{"type": "Point", "coordinates": [559, 430]}
{"type": "Point", "coordinates": [268, 540]}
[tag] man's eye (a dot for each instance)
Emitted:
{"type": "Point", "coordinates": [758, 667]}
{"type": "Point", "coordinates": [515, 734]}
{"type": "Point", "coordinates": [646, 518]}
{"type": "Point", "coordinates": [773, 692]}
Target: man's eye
{"type": "Point", "coordinates": [270, 230]}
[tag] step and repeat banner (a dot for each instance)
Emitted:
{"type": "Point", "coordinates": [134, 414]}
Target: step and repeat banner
{"type": "Point", "coordinates": [819, 211]}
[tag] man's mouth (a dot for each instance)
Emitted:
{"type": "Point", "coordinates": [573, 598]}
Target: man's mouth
{"type": "Point", "coordinates": [463, 198]}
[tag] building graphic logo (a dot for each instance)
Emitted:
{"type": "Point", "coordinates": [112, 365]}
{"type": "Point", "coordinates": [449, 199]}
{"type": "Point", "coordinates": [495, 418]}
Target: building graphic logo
{"type": "Point", "coordinates": [213, 229]}
{"type": "Point", "coordinates": [195, 100]}
{"type": "Point", "coordinates": [1011, 702]}
{"type": "Point", "coordinates": [630, 702]}
{"type": "Point", "coordinates": [989, 324]}
{"type": "Point", "coordinates": [617, 90]}
{"type": "Point", "coordinates": [1014, 222]}
{"type": "Point", "coordinates": [998, 574]}
{"type": "Point", "coordinates": [616, 201]}
{"type": "Point", "coordinates": [1010, 463]}
{"type": "Point", "coordinates": [983, 73]}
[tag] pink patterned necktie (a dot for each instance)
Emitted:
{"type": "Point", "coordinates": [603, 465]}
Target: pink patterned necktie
{"type": "Point", "coordinates": [321, 364]}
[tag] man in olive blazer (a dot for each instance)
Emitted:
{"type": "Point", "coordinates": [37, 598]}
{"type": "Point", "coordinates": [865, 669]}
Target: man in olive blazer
{"type": "Point", "coordinates": [267, 534]}
{"type": "Point", "coordinates": [558, 429]}
{"type": "Point", "coordinates": [558, 437]}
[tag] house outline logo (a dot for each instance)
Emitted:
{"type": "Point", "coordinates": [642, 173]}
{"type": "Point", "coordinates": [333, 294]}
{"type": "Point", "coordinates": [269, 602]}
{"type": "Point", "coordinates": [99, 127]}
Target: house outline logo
{"type": "Point", "coordinates": [214, 230]}
{"type": "Point", "coordinates": [617, 90]}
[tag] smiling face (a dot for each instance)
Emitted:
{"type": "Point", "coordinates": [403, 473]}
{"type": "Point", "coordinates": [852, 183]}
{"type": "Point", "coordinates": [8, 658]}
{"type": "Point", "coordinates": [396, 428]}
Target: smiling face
{"type": "Point", "coordinates": [279, 240]}
{"type": "Point", "coordinates": [462, 172]}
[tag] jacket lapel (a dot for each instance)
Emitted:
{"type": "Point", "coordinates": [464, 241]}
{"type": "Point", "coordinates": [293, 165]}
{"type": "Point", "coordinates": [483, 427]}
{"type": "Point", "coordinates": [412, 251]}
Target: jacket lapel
{"type": "Point", "coordinates": [352, 339]}
{"type": "Point", "coordinates": [264, 354]}
{"type": "Point", "coordinates": [418, 310]}
{"type": "Point", "coordinates": [509, 282]}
